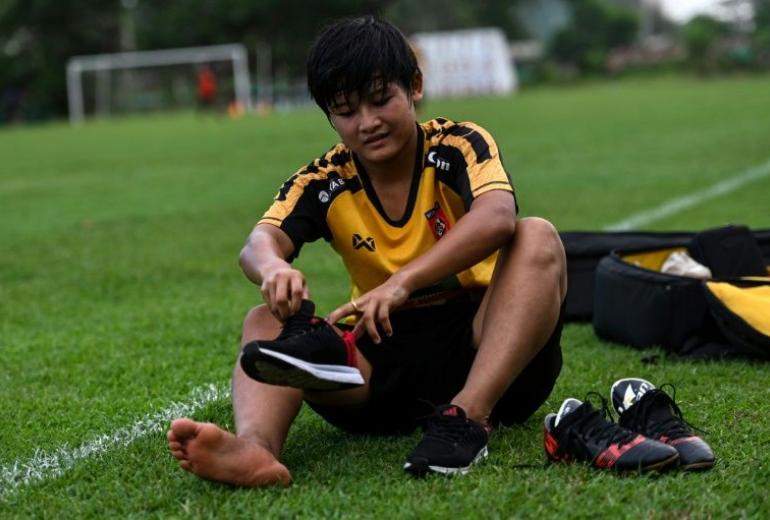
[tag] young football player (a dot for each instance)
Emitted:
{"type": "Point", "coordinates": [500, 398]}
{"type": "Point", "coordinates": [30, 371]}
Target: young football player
{"type": "Point", "coordinates": [454, 301]}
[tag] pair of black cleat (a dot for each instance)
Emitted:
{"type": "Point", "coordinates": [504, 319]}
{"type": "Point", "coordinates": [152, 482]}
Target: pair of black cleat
{"type": "Point", "coordinates": [650, 434]}
{"type": "Point", "coordinates": [310, 354]}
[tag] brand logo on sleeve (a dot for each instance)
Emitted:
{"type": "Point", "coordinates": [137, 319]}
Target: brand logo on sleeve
{"type": "Point", "coordinates": [439, 162]}
{"type": "Point", "coordinates": [336, 184]}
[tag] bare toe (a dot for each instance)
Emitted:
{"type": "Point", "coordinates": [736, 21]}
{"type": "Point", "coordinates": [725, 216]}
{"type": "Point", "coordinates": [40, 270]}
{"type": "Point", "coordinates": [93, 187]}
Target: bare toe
{"type": "Point", "coordinates": [179, 454]}
{"type": "Point", "coordinates": [183, 429]}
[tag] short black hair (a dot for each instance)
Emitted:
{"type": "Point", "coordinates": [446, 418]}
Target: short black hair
{"type": "Point", "coordinates": [355, 54]}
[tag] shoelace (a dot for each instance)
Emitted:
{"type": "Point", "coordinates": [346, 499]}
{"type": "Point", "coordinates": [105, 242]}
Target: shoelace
{"type": "Point", "coordinates": [444, 427]}
{"type": "Point", "coordinates": [672, 427]}
{"type": "Point", "coordinates": [296, 325]}
{"type": "Point", "coordinates": [596, 426]}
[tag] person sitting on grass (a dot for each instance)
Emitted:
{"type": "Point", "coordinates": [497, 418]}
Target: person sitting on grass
{"type": "Point", "coordinates": [455, 301]}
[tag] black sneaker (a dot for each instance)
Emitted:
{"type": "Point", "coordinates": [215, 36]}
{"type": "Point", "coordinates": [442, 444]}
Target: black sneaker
{"type": "Point", "coordinates": [580, 432]}
{"type": "Point", "coordinates": [652, 412]}
{"type": "Point", "coordinates": [451, 444]}
{"type": "Point", "coordinates": [308, 354]}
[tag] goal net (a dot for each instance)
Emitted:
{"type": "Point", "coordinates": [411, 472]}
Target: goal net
{"type": "Point", "coordinates": [108, 84]}
{"type": "Point", "coordinates": [471, 62]}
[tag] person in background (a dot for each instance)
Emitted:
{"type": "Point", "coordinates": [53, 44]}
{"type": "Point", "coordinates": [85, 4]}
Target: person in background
{"type": "Point", "coordinates": [207, 88]}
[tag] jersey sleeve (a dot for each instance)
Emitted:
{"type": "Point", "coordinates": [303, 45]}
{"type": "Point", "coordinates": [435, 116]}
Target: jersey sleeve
{"type": "Point", "coordinates": [484, 168]}
{"type": "Point", "coordinates": [297, 212]}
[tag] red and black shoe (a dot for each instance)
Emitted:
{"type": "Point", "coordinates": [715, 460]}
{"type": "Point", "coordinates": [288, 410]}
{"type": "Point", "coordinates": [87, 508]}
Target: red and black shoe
{"type": "Point", "coordinates": [579, 432]}
{"type": "Point", "coordinates": [652, 412]}
{"type": "Point", "coordinates": [308, 354]}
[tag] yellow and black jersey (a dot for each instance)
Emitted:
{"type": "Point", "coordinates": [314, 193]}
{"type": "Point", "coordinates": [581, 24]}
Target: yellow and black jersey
{"type": "Point", "coordinates": [333, 198]}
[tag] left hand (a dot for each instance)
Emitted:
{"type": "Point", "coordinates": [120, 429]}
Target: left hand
{"type": "Point", "coordinates": [373, 308]}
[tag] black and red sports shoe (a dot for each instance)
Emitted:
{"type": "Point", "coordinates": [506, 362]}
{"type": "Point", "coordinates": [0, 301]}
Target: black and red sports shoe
{"type": "Point", "coordinates": [451, 444]}
{"type": "Point", "coordinates": [652, 412]}
{"type": "Point", "coordinates": [579, 432]}
{"type": "Point", "coordinates": [308, 354]}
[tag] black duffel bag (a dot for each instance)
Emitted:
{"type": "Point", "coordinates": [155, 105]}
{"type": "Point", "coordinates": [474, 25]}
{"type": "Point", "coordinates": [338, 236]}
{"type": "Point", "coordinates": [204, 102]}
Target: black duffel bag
{"type": "Point", "coordinates": [726, 316]}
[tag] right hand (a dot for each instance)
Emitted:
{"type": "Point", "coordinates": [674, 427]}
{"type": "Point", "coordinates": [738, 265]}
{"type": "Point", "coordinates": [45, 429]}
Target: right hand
{"type": "Point", "coordinates": [283, 289]}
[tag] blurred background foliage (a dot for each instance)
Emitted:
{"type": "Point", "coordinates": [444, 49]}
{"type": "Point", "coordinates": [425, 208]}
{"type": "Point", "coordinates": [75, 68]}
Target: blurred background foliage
{"type": "Point", "coordinates": [579, 37]}
{"type": "Point", "coordinates": [596, 28]}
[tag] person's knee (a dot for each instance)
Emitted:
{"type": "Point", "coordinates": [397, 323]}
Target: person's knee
{"type": "Point", "coordinates": [259, 323]}
{"type": "Point", "coordinates": [541, 242]}
{"type": "Point", "coordinates": [257, 315]}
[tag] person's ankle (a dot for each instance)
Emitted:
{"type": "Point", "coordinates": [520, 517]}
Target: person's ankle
{"type": "Point", "coordinates": [474, 413]}
{"type": "Point", "coordinates": [260, 441]}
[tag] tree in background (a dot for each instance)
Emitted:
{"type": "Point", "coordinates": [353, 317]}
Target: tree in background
{"type": "Point", "coordinates": [36, 39]}
{"type": "Point", "coordinates": [699, 37]}
{"type": "Point", "coordinates": [444, 15]}
{"type": "Point", "coordinates": [288, 25]}
{"type": "Point", "coordinates": [596, 28]}
{"type": "Point", "coordinates": [761, 36]}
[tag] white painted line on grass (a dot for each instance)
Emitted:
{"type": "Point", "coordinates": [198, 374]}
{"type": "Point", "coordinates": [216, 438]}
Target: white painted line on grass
{"type": "Point", "coordinates": [45, 466]}
{"type": "Point", "coordinates": [678, 204]}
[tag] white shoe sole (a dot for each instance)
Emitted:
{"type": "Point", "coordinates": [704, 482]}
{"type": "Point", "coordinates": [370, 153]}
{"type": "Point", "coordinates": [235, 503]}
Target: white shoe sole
{"type": "Point", "coordinates": [332, 373]}
{"type": "Point", "coordinates": [481, 455]}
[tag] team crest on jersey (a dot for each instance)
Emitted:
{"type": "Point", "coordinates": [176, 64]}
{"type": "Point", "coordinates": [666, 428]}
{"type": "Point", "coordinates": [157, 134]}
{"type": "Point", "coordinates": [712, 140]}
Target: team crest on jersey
{"type": "Point", "coordinates": [437, 220]}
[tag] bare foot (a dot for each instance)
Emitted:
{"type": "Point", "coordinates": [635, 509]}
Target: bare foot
{"type": "Point", "coordinates": [212, 453]}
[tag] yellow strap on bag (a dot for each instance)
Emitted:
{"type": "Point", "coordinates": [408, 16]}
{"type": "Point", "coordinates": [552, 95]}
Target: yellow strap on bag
{"type": "Point", "coordinates": [750, 303]}
{"type": "Point", "coordinates": [652, 260]}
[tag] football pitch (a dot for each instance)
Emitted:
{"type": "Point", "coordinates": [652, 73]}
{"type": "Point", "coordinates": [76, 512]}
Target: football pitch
{"type": "Point", "coordinates": [121, 302]}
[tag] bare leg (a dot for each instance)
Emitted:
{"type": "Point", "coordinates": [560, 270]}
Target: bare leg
{"type": "Point", "coordinates": [263, 414]}
{"type": "Point", "coordinates": [517, 315]}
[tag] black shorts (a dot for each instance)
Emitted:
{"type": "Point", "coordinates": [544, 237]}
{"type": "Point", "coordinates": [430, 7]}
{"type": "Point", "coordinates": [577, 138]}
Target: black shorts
{"type": "Point", "coordinates": [426, 363]}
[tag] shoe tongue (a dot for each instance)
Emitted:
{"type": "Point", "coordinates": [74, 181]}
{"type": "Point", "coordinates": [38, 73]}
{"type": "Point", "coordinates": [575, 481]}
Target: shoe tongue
{"type": "Point", "coordinates": [306, 309]}
{"type": "Point", "coordinates": [661, 413]}
{"type": "Point", "coordinates": [567, 407]}
{"type": "Point", "coordinates": [627, 392]}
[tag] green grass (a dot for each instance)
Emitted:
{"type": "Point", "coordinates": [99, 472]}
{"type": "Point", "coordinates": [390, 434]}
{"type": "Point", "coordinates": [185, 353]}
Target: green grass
{"type": "Point", "coordinates": [120, 293]}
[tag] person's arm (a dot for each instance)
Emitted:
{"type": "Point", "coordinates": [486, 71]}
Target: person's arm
{"type": "Point", "coordinates": [488, 225]}
{"type": "Point", "coordinates": [263, 260]}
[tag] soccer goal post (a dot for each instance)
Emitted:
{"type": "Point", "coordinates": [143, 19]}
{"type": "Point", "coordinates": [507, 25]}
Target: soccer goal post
{"type": "Point", "coordinates": [106, 63]}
